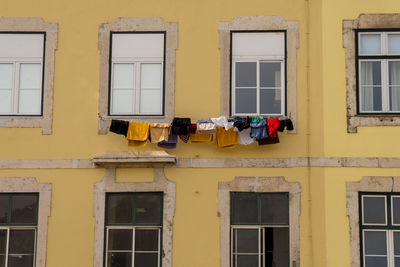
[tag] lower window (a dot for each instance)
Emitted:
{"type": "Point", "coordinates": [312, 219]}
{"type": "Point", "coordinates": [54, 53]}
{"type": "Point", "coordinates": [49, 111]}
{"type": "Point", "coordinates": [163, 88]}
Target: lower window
{"type": "Point", "coordinates": [133, 229]}
{"type": "Point", "coordinates": [18, 228]}
{"type": "Point", "coordinates": [380, 229]}
{"type": "Point", "coordinates": [259, 229]}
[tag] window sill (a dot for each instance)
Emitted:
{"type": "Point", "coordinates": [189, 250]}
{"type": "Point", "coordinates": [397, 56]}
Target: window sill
{"type": "Point", "coordinates": [371, 120]}
{"type": "Point", "coordinates": [27, 122]}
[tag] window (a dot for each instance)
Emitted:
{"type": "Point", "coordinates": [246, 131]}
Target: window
{"type": "Point", "coordinates": [27, 47]}
{"type": "Point", "coordinates": [133, 229]}
{"type": "Point", "coordinates": [380, 229]}
{"type": "Point", "coordinates": [258, 67]}
{"type": "Point", "coordinates": [18, 229]}
{"type": "Point", "coordinates": [21, 65]}
{"type": "Point", "coordinates": [137, 67]}
{"type": "Point", "coordinates": [379, 71]}
{"type": "Point", "coordinates": [137, 70]}
{"type": "Point", "coordinates": [258, 62]}
{"type": "Point", "coordinates": [259, 229]}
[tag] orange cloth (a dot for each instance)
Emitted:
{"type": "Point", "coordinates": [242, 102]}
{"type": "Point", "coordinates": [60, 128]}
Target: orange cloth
{"type": "Point", "coordinates": [159, 132]}
{"type": "Point", "coordinates": [200, 138]}
{"type": "Point", "coordinates": [225, 138]}
{"type": "Point", "coordinates": [137, 134]}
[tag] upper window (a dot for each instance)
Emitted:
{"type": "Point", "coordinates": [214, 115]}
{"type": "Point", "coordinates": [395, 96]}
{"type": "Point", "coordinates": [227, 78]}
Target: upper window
{"type": "Point", "coordinates": [378, 71]}
{"type": "Point", "coordinates": [137, 68]}
{"type": "Point", "coordinates": [18, 229]}
{"type": "Point", "coordinates": [380, 229]}
{"type": "Point", "coordinates": [21, 73]}
{"type": "Point", "coordinates": [258, 61]}
{"type": "Point", "coordinates": [259, 229]}
{"type": "Point", "coordinates": [133, 229]}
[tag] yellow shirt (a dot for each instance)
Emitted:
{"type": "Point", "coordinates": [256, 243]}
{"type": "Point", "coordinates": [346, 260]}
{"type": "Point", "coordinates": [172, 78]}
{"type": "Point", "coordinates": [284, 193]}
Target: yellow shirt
{"type": "Point", "coordinates": [225, 138]}
{"type": "Point", "coordinates": [137, 134]}
{"type": "Point", "coordinates": [200, 138]}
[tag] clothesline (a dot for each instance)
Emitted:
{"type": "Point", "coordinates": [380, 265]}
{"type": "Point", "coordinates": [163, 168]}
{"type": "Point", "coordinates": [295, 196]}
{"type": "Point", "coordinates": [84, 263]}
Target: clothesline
{"type": "Point", "coordinates": [228, 133]}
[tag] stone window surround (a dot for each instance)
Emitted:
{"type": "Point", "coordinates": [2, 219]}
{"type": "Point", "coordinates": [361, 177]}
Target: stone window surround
{"type": "Point", "coordinates": [266, 23]}
{"type": "Point", "coordinates": [367, 184]}
{"type": "Point", "coordinates": [30, 185]}
{"type": "Point", "coordinates": [364, 21]}
{"type": "Point", "coordinates": [109, 184]}
{"type": "Point", "coordinates": [35, 25]}
{"type": "Point", "coordinates": [259, 185]}
{"type": "Point", "coordinates": [133, 25]}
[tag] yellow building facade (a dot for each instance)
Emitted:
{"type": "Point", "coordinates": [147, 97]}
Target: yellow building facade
{"type": "Point", "coordinates": [68, 157]}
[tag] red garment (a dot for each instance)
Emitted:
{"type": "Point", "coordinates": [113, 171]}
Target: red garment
{"type": "Point", "coordinates": [192, 128]}
{"type": "Point", "coordinates": [272, 127]}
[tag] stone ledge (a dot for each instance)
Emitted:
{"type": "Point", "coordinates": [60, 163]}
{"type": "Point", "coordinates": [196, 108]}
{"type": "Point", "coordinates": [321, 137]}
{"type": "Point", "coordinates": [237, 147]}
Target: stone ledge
{"type": "Point", "coordinates": [134, 159]}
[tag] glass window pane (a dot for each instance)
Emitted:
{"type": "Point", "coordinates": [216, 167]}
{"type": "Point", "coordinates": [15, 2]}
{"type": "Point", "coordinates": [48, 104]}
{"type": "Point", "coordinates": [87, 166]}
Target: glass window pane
{"type": "Point", "coordinates": [394, 43]}
{"type": "Point", "coordinates": [20, 260]}
{"type": "Point", "coordinates": [396, 210]}
{"type": "Point", "coordinates": [6, 76]}
{"type": "Point", "coordinates": [3, 208]}
{"type": "Point", "coordinates": [119, 208]}
{"type": "Point", "coordinates": [5, 101]}
{"type": "Point", "coordinates": [371, 261]}
{"type": "Point", "coordinates": [371, 98]}
{"type": "Point", "coordinates": [122, 101]}
{"type": "Point", "coordinates": [270, 74]}
{"type": "Point", "coordinates": [119, 259]}
{"type": "Point", "coordinates": [148, 208]}
{"type": "Point", "coordinates": [374, 209]}
{"type": "Point", "coordinates": [245, 240]}
{"type": "Point", "coordinates": [270, 101]}
{"type": "Point", "coordinates": [275, 208]}
{"type": "Point", "coordinates": [150, 101]}
{"type": "Point", "coordinates": [30, 76]}
{"type": "Point", "coordinates": [370, 73]}
{"type": "Point", "coordinates": [375, 242]}
{"type": "Point", "coordinates": [146, 259]}
{"type": "Point", "coordinates": [246, 101]}
{"type": "Point", "coordinates": [246, 74]}
{"type": "Point", "coordinates": [394, 73]}
{"type": "Point", "coordinates": [396, 262]}
{"type": "Point", "coordinates": [146, 240]}
{"type": "Point", "coordinates": [150, 76]}
{"type": "Point", "coordinates": [120, 239]}
{"type": "Point", "coordinates": [394, 98]}
{"type": "Point", "coordinates": [277, 247]}
{"type": "Point", "coordinates": [123, 76]}
{"type": "Point", "coordinates": [370, 44]}
{"type": "Point", "coordinates": [29, 101]}
{"type": "Point", "coordinates": [247, 261]}
{"type": "Point", "coordinates": [396, 242]}
{"type": "Point", "coordinates": [24, 208]}
{"type": "Point", "coordinates": [244, 208]}
{"type": "Point", "coordinates": [22, 241]}
{"type": "Point", "coordinates": [3, 241]}
{"type": "Point", "coordinates": [2, 260]}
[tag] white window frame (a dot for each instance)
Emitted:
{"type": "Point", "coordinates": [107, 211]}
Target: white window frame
{"type": "Point", "coordinates": [8, 228]}
{"type": "Point", "coordinates": [17, 62]}
{"type": "Point", "coordinates": [159, 228]}
{"type": "Point", "coordinates": [137, 62]}
{"type": "Point", "coordinates": [384, 71]}
{"type": "Point", "coordinates": [259, 59]}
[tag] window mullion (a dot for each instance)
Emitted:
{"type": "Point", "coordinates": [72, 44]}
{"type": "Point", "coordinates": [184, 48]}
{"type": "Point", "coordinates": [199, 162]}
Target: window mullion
{"type": "Point", "coordinates": [133, 246]}
{"type": "Point", "coordinates": [137, 89]}
{"type": "Point", "coordinates": [7, 245]}
{"type": "Point", "coordinates": [258, 88]}
{"type": "Point", "coordinates": [385, 85]}
{"type": "Point", "coordinates": [16, 88]}
{"type": "Point", "coordinates": [390, 252]}
{"type": "Point", "coordinates": [159, 247]}
{"type": "Point", "coordinates": [105, 262]}
{"type": "Point", "coordinates": [259, 246]}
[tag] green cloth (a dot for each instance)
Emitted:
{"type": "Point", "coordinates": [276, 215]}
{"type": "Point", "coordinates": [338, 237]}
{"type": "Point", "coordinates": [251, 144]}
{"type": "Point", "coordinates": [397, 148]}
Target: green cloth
{"type": "Point", "coordinates": [255, 119]}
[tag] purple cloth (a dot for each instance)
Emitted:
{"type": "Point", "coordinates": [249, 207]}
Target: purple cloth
{"type": "Point", "coordinates": [184, 138]}
{"type": "Point", "coordinates": [171, 143]}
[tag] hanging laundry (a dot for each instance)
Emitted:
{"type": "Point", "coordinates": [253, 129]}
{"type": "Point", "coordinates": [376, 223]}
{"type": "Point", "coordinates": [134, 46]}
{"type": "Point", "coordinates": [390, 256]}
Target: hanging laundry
{"type": "Point", "coordinates": [119, 127]}
{"type": "Point", "coordinates": [225, 138]}
{"type": "Point", "coordinates": [192, 128]}
{"type": "Point", "coordinates": [171, 143]}
{"type": "Point", "coordinates": [184, 138]}
{"type": "Point", "coordinates": [159, 132]}
{"type": "Point", "coordinates": [241, 123]}
{"type": "Point", "coordinates": [269, 140]}
{"type": "Point", "coordinates": [285, 123]}
{"type": "Point", "coordinates": [137, 134]}
{"type": "Point", "coordinates": [244, 137]}
{"type": "Point", "coordinates": [222, 122]}
{"type": "Point", "coordinates": [258, 130]}
{"type": "Point", "coordinates": [273, 125]}
{"type": "Point", "coordinates": [255, 119]}
{"type": "Point", "coordinates": [181, 126]}
{"type": "Point", "coordinates": [205, 127]}
{"type": "Point", "coordinates": [200, 138]}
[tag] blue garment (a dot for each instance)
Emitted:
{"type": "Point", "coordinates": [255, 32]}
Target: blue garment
{"type": "Point", "coordinates": [258, 130]}
{"type": "Point", "coordinates": [204, 121]}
